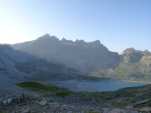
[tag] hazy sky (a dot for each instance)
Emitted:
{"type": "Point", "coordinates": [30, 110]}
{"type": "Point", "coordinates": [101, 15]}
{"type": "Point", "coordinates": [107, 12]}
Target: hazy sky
{"type": "Point", "coordinates": [118, 24]}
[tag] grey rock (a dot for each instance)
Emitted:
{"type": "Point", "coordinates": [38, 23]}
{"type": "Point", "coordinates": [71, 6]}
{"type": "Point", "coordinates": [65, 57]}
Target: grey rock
{"type": "Point", "coordinates": [25, 110]}
{"type": "Point", "coordinates": [117, 110]}
{"type": "Point", "coordinates": [43, 102]}
{"type": "Point", "coordinates": [7, 101]}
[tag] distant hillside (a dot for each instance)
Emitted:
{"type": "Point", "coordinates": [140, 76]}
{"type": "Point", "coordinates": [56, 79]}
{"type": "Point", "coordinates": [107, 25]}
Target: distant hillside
{"type": "Point", "coordinates": [80, 55]}
{"type": "Point", "coordinates": [135, 65]}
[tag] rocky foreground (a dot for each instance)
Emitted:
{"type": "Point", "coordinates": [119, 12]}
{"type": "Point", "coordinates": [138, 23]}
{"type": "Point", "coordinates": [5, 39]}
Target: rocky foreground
{"type": "Point", "coordinates": [51, 99]}
{"type": "Point", "coordinates": [24, 104]}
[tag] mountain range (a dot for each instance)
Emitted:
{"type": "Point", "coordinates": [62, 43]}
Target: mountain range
{"type": "Point", "coordinates": [17, 66]}
{"type": "Point", "coordinates": [80, 55]}
{"type": "Point", "coordinates": [49, 58]}
{"type": "Point", "coordinates": [90, 58]}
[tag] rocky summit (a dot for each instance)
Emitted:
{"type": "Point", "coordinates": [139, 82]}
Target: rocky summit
{"type": "Point", "coordinates": [81, 55]}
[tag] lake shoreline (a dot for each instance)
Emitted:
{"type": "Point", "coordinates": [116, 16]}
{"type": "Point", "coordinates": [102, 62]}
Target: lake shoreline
{"type": "Point", "coordinates": [96, 85]}
{"type": "Point", "coordinates": [135, 81]}
{"type": "Point", "coordinates": [132, 81]}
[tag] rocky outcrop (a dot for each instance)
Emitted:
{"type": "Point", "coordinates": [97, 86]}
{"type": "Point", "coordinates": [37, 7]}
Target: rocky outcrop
{"type": "Point", "coordinates": [55, 107]}
{"type": "Point", "coordinates": [129, 100]}
{"type": "Point", "coordinates": [135, 65]}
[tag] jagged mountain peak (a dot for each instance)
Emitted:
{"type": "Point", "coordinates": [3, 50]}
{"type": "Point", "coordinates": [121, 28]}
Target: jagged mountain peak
{"type": "Point", "coordinates": [47, 37]}
{"type": "Point", "coordinates": [78, 54]}
{"type": "Point", "coordinates": [80, 41]}
{"type": "Point", "coordinates": [129, 51]}
{"type": "Point", "coordinates": [132, 55]}
{"type": "Point", "coordinates": [96, 42]}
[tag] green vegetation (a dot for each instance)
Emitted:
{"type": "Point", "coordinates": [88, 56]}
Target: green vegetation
{"type": "Point", "coordinates": [118, 98]}
{"type": "Point", "coordinates": [45, 88]}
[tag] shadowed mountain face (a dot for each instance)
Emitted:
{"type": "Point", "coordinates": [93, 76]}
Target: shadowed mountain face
{"type": "Point", "coordinates": [9, 74]}
{"type": "Point", "coordinates": [9, 58]}
{"type": "Point", "coordinates": [16, 66]}
{"type": "Point", "coordinates": [81, 55]}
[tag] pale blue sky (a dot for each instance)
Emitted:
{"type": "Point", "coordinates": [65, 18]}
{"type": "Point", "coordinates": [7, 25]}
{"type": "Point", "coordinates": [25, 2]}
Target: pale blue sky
{"type": "Point", "coordinates": [118, 24]}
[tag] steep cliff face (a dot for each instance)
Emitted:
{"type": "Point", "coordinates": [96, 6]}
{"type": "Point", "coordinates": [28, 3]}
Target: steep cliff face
{"type": "Point", "coordinates": [81, 55]}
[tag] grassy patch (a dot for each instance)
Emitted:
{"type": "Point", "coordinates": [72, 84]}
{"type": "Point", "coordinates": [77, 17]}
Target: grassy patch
{"type": "Point", "coordinates": [118, 98]}
{"type": "Point", "coordinates": [43, 88]}
{"type": "Point", "coordinates": [92, 111]}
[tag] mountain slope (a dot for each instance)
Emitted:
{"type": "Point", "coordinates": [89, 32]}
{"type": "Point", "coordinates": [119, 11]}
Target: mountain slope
{"type": "Point", "coordinates": [16, 66]}
{"type": "Point", "coordinates": [9, 75]}
{"type": "Point", "coordinates": [135, 65]}
{"type": "Point", "coordinates": [81, 55]}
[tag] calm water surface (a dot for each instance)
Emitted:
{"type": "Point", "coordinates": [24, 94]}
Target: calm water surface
{"type": "Point", "coordinates": [96, 85]}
